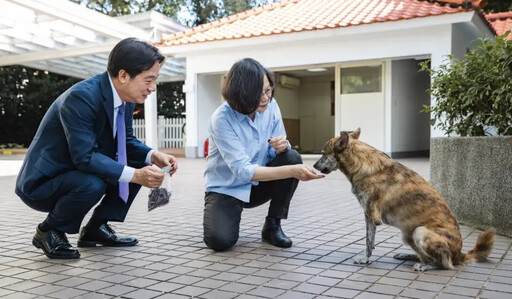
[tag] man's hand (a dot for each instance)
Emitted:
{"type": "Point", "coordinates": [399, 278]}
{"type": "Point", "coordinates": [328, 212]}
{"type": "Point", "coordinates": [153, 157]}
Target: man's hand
{"type": "Point", "coordinates": [279, 143]}
{"type": "Point", "coordinates": [162, 159]}
{"type": "Point", "coordinates": [148, 176]}
{"type": "Point", "coordinates": [304, 172]}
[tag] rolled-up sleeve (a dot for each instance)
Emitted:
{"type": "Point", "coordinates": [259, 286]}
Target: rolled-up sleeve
{"type": "Point", "coordinates": [277, 130]}
{"type": "Point", "coordinates": [232, 149]}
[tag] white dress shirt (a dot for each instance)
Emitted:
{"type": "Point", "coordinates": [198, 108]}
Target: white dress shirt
{"type": "Point", "coordinates": [128, 171]}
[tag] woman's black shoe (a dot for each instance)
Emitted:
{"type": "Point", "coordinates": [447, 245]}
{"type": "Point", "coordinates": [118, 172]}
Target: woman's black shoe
{"type": "Point", "coordinates": [54, 244]}
{"type": "Point", "coordinates": [273, 234]}
{"type": "Point", "coordinates": [105, 236]}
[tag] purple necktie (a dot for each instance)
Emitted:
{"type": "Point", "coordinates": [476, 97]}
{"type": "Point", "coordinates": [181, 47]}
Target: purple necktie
{"type": "Point", "coordinates": [121, 150]}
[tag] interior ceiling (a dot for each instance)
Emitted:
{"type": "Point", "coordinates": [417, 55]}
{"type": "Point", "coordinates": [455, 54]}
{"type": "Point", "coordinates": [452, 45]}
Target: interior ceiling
{"type": "Point", "coordinates": [304, 73]}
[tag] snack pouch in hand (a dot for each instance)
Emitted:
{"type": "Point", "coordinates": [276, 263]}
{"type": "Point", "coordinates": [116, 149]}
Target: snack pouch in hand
{"type": "Point", "coordinates": [160, 196]}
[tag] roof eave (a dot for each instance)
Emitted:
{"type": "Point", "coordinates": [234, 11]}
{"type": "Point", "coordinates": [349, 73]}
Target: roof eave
{"type": "Point", "coordinates": [194, 48]}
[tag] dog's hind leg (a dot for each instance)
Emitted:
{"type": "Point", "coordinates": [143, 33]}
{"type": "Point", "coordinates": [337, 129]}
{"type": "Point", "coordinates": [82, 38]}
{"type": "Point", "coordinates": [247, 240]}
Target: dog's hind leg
{"type": "Point", "coordinates": [432, 249]}
{"type": "Point", "coordinates": [408, 256]}
{"type": "Point", "coordinates": [364, 258]}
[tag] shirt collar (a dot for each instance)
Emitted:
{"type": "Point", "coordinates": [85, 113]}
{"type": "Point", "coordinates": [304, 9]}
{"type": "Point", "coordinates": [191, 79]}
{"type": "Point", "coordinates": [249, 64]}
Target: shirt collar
{"type": "Point", "coordinates": [239, 116]}
{"type": "Point", "coordinates": [117, 99]}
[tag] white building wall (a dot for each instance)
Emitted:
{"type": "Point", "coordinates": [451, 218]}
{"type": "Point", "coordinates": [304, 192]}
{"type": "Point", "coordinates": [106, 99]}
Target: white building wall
{"type": "Point", "coordinates": [333, 49]}
{"type": "Point", "coordinates": [410, 128]}
{"type": "Point", "coordinates": [203, 96]}
{"type": "Point", "coordinates": [374, 42]}
{"type": "Point", "coordinates": [466, 37]}
{"type": "Point", "coordinates": [209, 98]}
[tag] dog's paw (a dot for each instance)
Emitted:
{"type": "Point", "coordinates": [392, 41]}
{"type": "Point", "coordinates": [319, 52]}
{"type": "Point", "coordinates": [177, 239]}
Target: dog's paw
{"type": "Point", "coordinates": [406, 257]}
{"type": "Point", "coordinates": [422, 267]}
{"type": "Point", "coordinates": [361, 259]}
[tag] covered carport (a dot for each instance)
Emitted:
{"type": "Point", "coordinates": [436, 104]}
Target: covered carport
{"type": "Point", "coordinates": [63, 37]}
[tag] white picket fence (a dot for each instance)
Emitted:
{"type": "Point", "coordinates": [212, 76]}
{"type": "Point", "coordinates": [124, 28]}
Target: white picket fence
{"type": "Point", "coordinates": [170, 134]}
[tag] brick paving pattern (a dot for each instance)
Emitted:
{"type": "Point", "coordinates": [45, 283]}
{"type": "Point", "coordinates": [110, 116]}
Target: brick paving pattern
{"type": "Point", "coordinates": [171, 260]}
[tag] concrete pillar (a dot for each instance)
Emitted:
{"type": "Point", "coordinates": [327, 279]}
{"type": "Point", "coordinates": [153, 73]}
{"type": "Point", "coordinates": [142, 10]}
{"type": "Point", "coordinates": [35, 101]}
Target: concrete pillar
{"type": "Point", "coordinates": [191, 148]}
{"type": "Point", "coordinates": [388, 106]}
{"type": "Point", "coordinates": [436, 60]}
{"type": "Point", "coordinates": [151, 121]}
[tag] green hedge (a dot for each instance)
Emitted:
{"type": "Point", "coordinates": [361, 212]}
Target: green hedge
{"type": "Point", "coordinates": [473, 95]}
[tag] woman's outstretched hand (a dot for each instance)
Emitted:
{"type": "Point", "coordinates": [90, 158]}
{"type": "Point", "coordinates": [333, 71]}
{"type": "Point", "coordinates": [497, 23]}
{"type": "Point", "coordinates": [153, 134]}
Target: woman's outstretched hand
{"type": "Point", "coordinates": [305, 173]}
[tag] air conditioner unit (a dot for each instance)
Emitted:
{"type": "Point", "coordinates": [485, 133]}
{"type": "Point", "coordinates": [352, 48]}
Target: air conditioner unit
{"type": "Point", "coordinates": [289, 82]}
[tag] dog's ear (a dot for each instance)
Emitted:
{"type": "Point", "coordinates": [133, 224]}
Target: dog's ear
{"type": "Point", "coordinates": [356, 133]}
{"type": "Point", "coordinates": [341, 143]}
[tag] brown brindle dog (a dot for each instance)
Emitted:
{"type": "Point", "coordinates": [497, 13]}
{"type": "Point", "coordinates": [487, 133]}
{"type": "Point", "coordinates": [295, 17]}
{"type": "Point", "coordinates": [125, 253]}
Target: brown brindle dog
{"type": "Point", "coordinates": [394, 194]}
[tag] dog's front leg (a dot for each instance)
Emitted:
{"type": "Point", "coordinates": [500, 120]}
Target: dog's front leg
{"type": "Point", "coordinates": [364, 258]}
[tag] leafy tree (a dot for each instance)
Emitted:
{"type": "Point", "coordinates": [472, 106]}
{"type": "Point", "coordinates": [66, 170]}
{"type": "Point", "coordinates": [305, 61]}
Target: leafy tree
{"type": "Point", "coordinates": [25, 96]}
{"type": "Point", "coordinates": [498, 6]}
{"type": "Point", "coordinates": [171, 101]}
{"type": "Point", "coordinates": [126, 7]}
{"type": "Point", "coordinates": [203, 11]}
{"type": "Point", "coordinates": [196, 12]}
{"type": "Point", "coordinates": [235, 6]}
{"type": "Point", "coordinates": [474, 94]}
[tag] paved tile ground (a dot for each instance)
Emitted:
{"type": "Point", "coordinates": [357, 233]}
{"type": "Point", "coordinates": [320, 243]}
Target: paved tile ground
{"type": "Point", "coordinates": [171, 261]}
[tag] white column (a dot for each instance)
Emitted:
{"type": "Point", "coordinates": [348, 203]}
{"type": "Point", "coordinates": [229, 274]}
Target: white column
{"type": "Point", "coordinates": [191, 148]}
{"type": "Point", "coordinates": [151, 120]}
{"type": "Point", "coordinates": [439, 57]}
{"type": "Point", "coordinates": [388, 107]}
{"type": "Point", "coordinates": [337, 100]}
{"type": "Point", "coordinates": [436, 60]}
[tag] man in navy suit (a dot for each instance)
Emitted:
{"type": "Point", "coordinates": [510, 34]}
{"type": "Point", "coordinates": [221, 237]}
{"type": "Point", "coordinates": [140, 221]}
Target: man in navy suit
{"type": "Point", "coordinates": [77, 160]}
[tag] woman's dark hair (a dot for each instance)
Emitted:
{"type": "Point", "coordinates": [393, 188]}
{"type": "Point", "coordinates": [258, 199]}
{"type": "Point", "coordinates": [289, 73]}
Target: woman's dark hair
{"type": "Point", "coordinates": [243, 85]}
{"type": "Point", "coordinates": [134, 56]}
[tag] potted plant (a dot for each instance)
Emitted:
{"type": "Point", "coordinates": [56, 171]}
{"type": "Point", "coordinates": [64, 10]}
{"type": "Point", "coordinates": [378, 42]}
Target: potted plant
{"type": "Point", "coordinates": [473, 169]}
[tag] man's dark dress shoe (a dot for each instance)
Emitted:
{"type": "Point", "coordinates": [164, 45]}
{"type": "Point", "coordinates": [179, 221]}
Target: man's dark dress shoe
{"type": "Point", "coordinates": [273, 234]}
{"type": "Point", "coordinates": [54, 244]}
{"type": "Point", "coordinates": [105, 236]}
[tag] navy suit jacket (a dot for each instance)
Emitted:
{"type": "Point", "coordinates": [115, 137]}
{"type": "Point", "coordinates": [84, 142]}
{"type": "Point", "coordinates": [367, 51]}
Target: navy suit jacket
{"type": "Point", "coordinates": [76, 134]}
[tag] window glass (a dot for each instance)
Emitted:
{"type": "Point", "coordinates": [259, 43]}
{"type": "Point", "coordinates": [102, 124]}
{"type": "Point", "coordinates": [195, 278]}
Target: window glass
{"type": "Point", "coordinates": [361, 79]}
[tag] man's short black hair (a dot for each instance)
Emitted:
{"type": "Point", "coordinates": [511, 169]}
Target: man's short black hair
{"type": "Point", "coordinates": [134, 56]}
{"type": "Point", "coordinates": [243, 85]}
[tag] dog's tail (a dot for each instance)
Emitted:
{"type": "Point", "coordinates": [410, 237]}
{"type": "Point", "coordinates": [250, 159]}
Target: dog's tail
{"type": "Point", "coordinates": [482, 248]}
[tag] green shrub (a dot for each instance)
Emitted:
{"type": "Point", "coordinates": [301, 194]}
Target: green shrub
{"type": "Point", "coordinates": [474, 94]}
{"type": "Point", "coordinates": [10, 146]}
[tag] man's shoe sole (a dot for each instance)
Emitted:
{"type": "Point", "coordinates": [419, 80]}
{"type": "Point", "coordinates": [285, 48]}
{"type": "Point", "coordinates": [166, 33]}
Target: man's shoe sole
{"type": "Point", "coordinates": [94, 243]}
{"type": "Point", "coordinates": [277, 245]}
{"type": "Point", "coordinates": [38, 244]}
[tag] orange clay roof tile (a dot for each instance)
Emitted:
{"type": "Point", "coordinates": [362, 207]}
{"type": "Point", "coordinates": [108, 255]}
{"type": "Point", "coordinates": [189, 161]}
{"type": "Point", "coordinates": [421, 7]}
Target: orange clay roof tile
{"type": "Point", "coordinates": [501, 22]}
{"type": "Point", "coordinates": [289, 16]}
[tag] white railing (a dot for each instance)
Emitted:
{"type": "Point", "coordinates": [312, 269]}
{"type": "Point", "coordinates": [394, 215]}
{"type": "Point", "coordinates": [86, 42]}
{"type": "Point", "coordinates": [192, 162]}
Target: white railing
{"type": "Point", "coordinates": [170, 134]}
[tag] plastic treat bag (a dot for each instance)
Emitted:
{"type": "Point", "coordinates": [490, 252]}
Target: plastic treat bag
{"type": "Point", "coordinates": [160, 196]}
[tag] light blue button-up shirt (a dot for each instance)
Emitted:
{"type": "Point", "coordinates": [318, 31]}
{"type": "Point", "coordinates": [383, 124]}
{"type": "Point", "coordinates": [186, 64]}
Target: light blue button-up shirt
{"type": "Point", "coordinates": [239, 145]}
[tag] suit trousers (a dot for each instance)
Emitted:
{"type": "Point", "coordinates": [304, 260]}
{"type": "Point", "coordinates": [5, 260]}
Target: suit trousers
{"type": "Point", "coordinates": [222, 213]}
{"type": "Point", "coordinates": [79, 192]}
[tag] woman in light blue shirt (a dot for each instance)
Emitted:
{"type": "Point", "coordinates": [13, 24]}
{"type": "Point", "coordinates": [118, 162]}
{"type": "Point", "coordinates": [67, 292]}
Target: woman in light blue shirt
{"type": "Point", "coordinates": [250, 161]}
